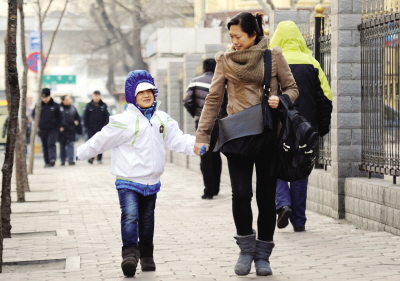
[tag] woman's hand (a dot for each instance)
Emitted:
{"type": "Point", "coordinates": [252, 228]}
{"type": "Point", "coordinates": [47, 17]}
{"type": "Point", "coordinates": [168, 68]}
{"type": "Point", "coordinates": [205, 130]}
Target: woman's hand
{"type": "Point", "coordinates": [198, 145]}
{"type": "Point", "coordinates": [273, 102]}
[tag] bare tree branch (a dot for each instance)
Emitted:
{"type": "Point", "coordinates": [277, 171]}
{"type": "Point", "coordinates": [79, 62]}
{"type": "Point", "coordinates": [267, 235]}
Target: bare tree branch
{"type": "Point", "coordinates": [265, 7]}
{"type": "Point", "coordinates": [123, 6]}
{"type": "Point", "coordinates": [47, 9]}
{"type": "Point", "coordinates": [38, 101]}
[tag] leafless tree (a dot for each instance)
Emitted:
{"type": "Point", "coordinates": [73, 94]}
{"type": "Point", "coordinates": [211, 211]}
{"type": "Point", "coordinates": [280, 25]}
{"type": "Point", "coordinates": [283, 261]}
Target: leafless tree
{"type": "Point", "coordinates": [124, 45]}
{"type": "Point", "coordinates": [14, 96]}
{"type": "Point", "coordinates": [20, 152]}
{"type": "Point", "coordinates": [42, 17]}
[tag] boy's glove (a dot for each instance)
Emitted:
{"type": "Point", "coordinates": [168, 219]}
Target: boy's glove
{"type": "Point", "coordinates": [203, 150]}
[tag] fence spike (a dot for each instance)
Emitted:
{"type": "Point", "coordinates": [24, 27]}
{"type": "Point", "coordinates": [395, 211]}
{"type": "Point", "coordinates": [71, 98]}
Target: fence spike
{"type": "Point", "coordinates": [366, 10]}
{"type": "Point", "coordinates": [312, 29]}
{"type": "Point", "coordinates": [376, 9]}
{"type": "Point", "coordinates": [386, 9]}
{"type": "Point", "coordinates": [381, 12]}
{"type": "Point", "coordinates": [327, 31]}
{"type": "Point", "coordinates": [322, 26]}
{"type": "Point", "coordinates": [327, 26]}
{"type": "Point", "coordinates": [371, 16]}
{"type": "Point", "coordinates": [362, 11]}
{"type": "Point", "coordinates": [391, 7]}
{"type": "Point", "coordinates": [397, 7]}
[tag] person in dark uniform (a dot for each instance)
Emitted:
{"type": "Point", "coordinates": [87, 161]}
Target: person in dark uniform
{"type": "Point", "coordinates": [72, 126]}
{"type": "Point", "coordinates": [50, 124]}
{"type": "Point", "coordinates": [95, 118]}
{"type": "Point", "coordinates": [211, 164]}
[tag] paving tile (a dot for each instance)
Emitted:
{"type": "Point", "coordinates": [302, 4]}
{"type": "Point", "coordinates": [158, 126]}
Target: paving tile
{"type": "Point", "coordinates": [193, 237]}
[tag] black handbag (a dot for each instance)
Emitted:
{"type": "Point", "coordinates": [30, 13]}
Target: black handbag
{"type": "Point", "coordinates": [244, 133]}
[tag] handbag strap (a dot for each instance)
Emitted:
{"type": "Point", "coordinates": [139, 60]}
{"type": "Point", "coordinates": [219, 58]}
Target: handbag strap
{"type": "Point", "coordinates": [267, 72]}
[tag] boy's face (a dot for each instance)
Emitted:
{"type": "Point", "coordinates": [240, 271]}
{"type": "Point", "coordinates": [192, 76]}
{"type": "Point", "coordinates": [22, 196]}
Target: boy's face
{"type": "Point", "coordinates": [145, 99]}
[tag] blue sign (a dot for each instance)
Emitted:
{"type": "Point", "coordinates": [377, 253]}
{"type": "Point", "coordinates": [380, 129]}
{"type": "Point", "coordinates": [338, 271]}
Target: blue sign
{"type": "Point", "coordinates": [34, 41]}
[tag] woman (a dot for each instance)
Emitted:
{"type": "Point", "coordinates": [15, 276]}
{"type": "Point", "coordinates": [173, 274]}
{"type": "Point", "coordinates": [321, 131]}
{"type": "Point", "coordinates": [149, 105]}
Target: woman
{"type": "Point", "coordinates": [241, 69]}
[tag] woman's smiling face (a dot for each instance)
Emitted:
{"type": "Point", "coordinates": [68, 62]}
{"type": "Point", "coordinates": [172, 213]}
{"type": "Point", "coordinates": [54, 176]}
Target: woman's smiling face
{"type": "Point", "coordinates": [240, 39]}
{"type": "Point", "coordinates": [145, 99]}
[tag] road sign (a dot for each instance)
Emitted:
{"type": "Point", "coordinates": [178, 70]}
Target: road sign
{"type": "Point", "coordinates": [33, 61]}
{"type": "Point", "coordinates": [34, 41]}
{"type": "Point", "coordinates": [59, 79]}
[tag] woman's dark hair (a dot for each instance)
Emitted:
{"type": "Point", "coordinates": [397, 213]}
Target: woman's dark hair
{"type": "Point", "coordinates": [249, 23]}
{"type": "Point", "coordinates": [209, 65]}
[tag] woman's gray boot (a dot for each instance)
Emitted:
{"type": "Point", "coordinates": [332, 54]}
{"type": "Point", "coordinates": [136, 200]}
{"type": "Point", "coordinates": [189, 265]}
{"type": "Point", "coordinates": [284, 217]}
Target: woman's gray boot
{"type": "Point", "coordinates": [247, 245]}
{"type": "Point", "coordinates": [261, 257]}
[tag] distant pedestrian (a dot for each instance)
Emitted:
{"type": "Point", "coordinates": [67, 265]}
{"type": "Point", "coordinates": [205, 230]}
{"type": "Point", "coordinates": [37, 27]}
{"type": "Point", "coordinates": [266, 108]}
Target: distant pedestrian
{"type": "Point", "coordinates": [241, 70]}
{"type": "Point", "coordinates": [138, 137]}
{"type": "Point", "coordinates": [314, 103]}
{"type": "Point", "coordinates": [211, 164]}
{"type": "Point", "coordinates": [50, 124]}
{"type": "Point", "coordinates": [95, 118]}
{"type": "Point", "coordinates": [72, 126]}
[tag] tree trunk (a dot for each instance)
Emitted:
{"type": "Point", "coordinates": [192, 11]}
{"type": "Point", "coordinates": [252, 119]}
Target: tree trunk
{"type": "Point", "coordinates": [38, 104]}
{"type": "Point", "coordinates": [20, 152]}
{"type": "Point", "coordinates": [138, 62]}
{"type": "Point", "coordinates": [41, 68]}
{"type": "Point", "coordinates": [12, 80]}
{"type": "Point", "coordinates": [111, 68]}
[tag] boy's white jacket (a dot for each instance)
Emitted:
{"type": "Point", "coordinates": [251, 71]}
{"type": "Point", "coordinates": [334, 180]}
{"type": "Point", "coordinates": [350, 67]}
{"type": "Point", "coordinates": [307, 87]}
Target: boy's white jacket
{"type": "Point", "coordinates": [138, 145]}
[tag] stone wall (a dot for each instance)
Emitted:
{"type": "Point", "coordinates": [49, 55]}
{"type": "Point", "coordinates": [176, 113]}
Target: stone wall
{"type": "Point", "coordinates": [373, 204]}
{"type": "Point", "coordinates": [159, 80]}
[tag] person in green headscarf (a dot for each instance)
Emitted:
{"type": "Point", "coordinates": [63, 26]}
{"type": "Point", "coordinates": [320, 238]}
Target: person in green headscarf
{"type": "Point", "coordinates": [314, 103]}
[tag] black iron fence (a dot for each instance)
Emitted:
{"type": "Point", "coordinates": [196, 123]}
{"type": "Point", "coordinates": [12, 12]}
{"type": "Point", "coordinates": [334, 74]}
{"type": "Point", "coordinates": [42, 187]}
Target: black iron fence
{"type": "Point", "coordinates": [318, 39]}
{"type": "Point", "coordinates": [380, 91]}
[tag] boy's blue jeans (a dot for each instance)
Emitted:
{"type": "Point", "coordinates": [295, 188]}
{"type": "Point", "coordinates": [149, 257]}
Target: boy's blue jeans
{"type": "Point", "coordinates": [137, 218]}
{"type": "Point", "coordinates": [296, 197]}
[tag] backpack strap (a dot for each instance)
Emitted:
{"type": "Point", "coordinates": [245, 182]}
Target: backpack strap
{"type": "Point", "coordinates": [266, 110]}
{"type": "Point", "coordinates": [267, 72]}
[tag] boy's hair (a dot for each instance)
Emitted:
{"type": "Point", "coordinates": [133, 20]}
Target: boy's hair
{"type": "Point", "coordinates": [209, 65]}
{"type": "Point", "coordinates": [96, 93]}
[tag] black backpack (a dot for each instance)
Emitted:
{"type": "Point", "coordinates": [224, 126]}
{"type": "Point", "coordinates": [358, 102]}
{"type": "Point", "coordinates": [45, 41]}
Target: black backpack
{"type": "Point", "coordinates": [298, 140]}
{"type": "Point", "coordinates": [297, 145]}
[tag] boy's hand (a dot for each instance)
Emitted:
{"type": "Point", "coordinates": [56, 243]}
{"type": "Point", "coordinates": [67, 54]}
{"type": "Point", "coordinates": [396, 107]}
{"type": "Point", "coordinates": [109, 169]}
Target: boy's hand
{"type": "Point", "coordinates": [198, 146]}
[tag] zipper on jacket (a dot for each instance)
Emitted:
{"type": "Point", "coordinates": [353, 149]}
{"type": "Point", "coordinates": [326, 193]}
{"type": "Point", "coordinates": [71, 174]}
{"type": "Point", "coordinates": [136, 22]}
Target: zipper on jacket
{"type": "Point", "coordinates": [150, 123]}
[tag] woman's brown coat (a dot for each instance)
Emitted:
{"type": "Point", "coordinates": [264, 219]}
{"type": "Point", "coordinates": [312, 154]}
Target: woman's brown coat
{"type": "Point", "coordinates": [243, 74]}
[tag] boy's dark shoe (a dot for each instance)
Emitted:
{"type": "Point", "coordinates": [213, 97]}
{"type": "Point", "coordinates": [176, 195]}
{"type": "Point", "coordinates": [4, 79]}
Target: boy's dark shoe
{"type": "Point", "coordinates": [146, 258]}
{"type": "Point", "coordinates": [62, 164]}
{"type": "Point", "coordinates": [52, 163]}
{"type": "Point", "coordinates": [130, 260]}
{"type": "Point", "coordinates": [47, 165]}
{"type": "Point", "coordinates": [283, 216]}
{"type": "Point", "coordinates": [71, 163]}
{"type": "Point", "coordinates": [99, 162]}
{"type": "Point", "coordinates": [206, 197]}
{"type": "Point", "coordinates": [90, 161]}
{"type": "Point", "coordinates": [299, 228]}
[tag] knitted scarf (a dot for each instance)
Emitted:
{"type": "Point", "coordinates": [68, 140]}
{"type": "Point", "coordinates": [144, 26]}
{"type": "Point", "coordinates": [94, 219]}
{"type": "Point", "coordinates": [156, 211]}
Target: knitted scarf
{"type": "Point", "coordinates": [147, 112]}
{"type": "Point", "coordinates": [249, 64]}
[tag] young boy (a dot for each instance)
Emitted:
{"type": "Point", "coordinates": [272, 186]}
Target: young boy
{"type": "Point", "coordinates": [137, 139]}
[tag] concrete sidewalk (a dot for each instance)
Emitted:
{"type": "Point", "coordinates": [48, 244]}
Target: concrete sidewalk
{"type": "Point", "coordinates": [76, 211]}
